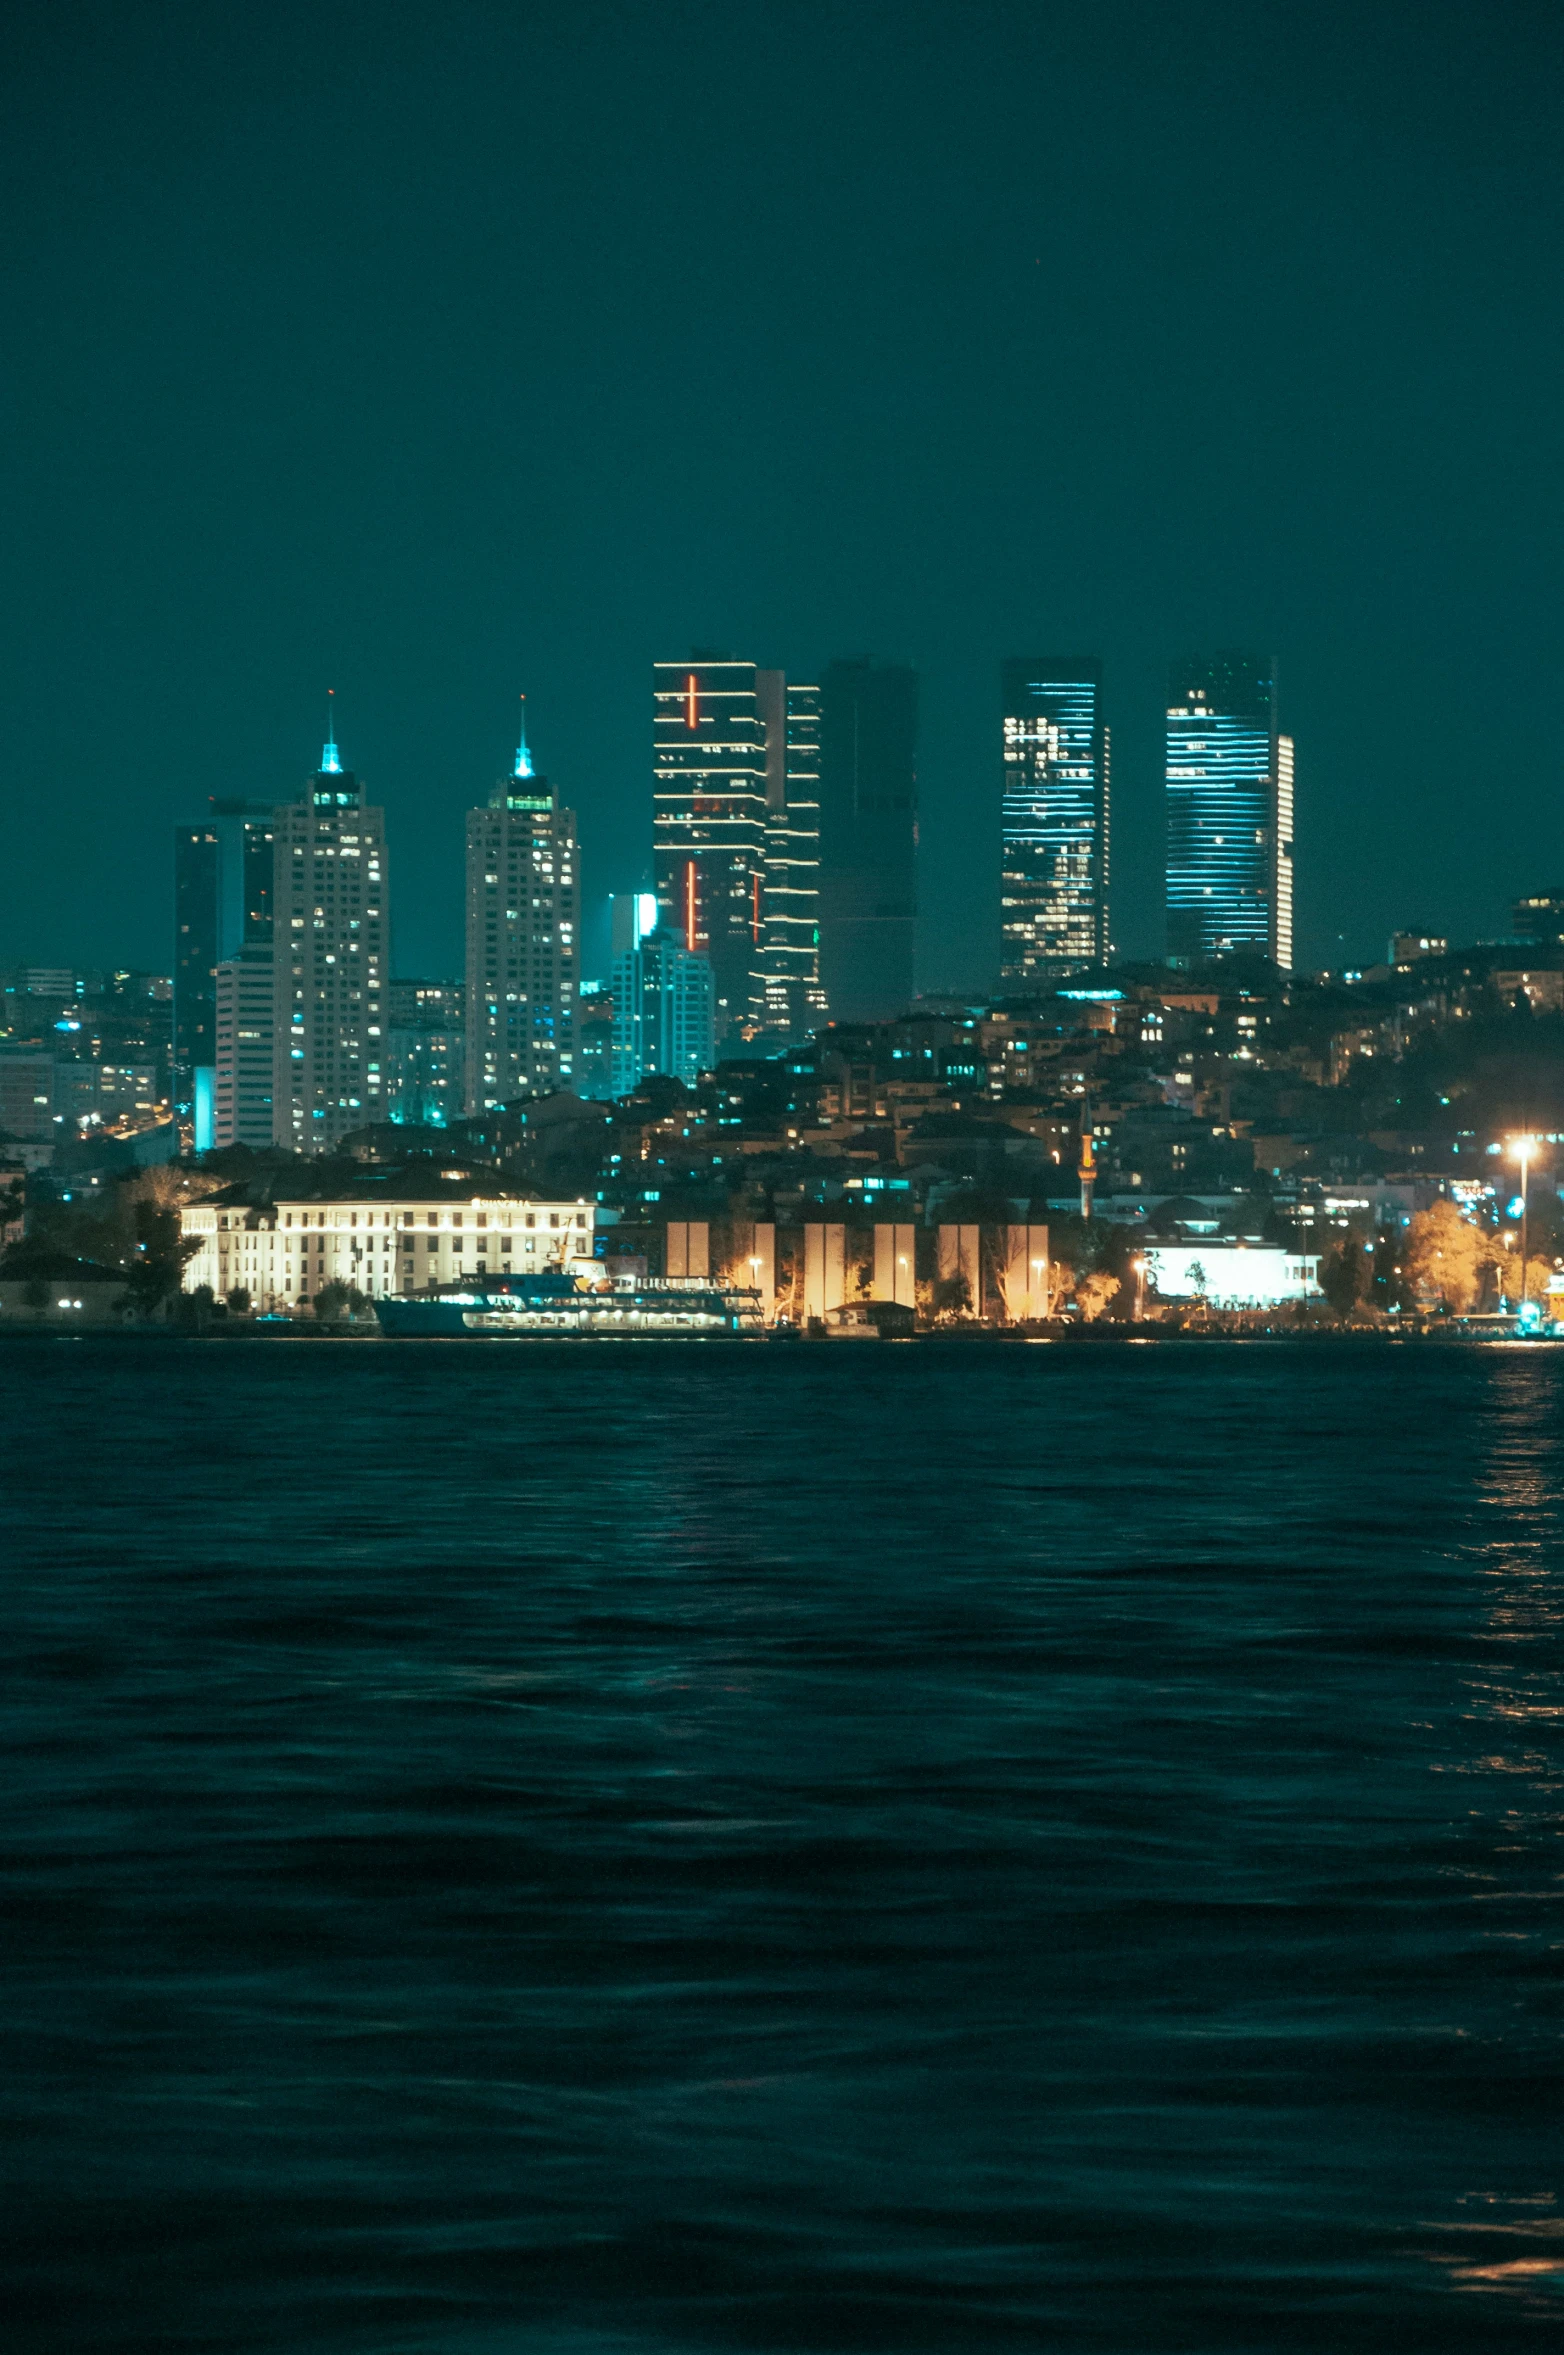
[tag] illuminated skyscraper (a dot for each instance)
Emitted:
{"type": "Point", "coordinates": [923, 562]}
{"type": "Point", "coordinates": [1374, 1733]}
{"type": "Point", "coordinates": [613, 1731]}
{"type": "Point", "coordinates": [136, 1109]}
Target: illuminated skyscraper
{"type": "Point", "coordinates": [523, 943]}
{"type": "Point", "coordinates": [709, 822]}
{"type": "Point", "coordinates": [246, 1047]}
{"type": "Point", "coordinates": [330, 957]}
{"type": "Point", "coordinates": [790, 1001]}
{"type": "Point", "coordinates": [868, 838]}
{"type": "Point", "coordinates": [663, 999]}
{"type": "Point", "coordinates": [222, 904]}
{"type": "Point", "coordinates": [1230, 811]}
{"type": "Point", "coordinates": [1054, 862]}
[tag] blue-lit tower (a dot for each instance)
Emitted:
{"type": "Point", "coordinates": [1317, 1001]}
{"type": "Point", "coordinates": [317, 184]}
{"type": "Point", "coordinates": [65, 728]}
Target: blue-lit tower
{"type": "Point", "coordinates": [331, 961]}
{"type": "Point", "coordinates": [1230, 811]}
{"type": "Point", "coordinates": [523, 893]}
{"type": "Point", "coordinates": [1054, 860]}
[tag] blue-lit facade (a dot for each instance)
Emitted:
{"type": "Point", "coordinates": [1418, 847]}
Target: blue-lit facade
{"type": "Point", "coordinates": [1230, 811]}
{"type": "Point", "coordinates": [664, 999]}
{"type": "Point", "coordinates": [1054, 858]}
{"type": "Point", "coordinates": [222, 904]}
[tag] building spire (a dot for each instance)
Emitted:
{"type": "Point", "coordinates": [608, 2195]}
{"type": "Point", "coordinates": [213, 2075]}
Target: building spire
{"type": "Point", "coordinates": [330, 759]}
{"type": "Point", "coordinates": [523, 766]}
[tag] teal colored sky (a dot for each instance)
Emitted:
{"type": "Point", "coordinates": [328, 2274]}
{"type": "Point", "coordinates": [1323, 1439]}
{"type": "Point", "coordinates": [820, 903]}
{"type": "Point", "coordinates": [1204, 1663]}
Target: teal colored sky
{"type": "Point", "coordinates": [430, 353]}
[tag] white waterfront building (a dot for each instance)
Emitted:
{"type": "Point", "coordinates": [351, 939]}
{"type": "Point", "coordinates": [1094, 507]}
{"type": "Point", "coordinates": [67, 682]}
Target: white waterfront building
{"type": "Point", "coordinates": [378, 1239]}
{"type": "Point", "coordinates": [1232, 1275]}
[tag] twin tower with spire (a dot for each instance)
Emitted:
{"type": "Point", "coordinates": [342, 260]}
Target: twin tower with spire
{"type": "Point", "coordinates": [283, 978]}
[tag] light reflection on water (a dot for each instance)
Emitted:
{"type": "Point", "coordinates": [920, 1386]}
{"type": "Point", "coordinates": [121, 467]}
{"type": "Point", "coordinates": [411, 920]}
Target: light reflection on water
{"type": "Point", "coordinates": [918, 1849]}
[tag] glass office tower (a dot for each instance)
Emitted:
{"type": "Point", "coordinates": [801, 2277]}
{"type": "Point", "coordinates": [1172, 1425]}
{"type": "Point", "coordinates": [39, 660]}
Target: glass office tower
{"type": "Point", "coordinates": [709, 810]}
{"type": "Point", "coordinates": [868, 838]}
{"type": "Point", "coordinates": [1230, 811]}
{"type": "Point", "coordinates": [222, 905]}
{"type": "Point", "coordinates": [1054, 860]}
{"type": "Point", "coordinates": [791, 1002]}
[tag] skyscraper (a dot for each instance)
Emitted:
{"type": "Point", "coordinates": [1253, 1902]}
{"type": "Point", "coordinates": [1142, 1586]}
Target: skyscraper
{"type": "Point", "coordinates": [790, 1001]}
{"type": "Point", "coordinates": [330, 962]}
{"type": "Point", "coordinates": [1230, 811]}
{"type": "Point", "coordinates": [868, 838]}
{"type": "Point", "coordinates": [709, 813]}
{"type": "Point", "coordinates": [246, 1053]}
{"type": "Point", "coordinates": [1054, 862]}
{"type": "Point", "coordinates": [427, 1067]}
{"type": "Point", "coordinates": [663, 999]}
{"type": "Point", "coordinates": [222, 903]}
{"type": "Point", "coordinates": [523, 943]}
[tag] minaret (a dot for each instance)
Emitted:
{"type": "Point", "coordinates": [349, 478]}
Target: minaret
{"type": "Point", "coordinates": [1088, 1164]}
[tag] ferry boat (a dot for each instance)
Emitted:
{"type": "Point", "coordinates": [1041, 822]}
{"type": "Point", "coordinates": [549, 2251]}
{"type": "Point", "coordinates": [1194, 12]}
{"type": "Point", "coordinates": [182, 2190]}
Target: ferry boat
{"type": "Point", "coordinates": [556, 1305]}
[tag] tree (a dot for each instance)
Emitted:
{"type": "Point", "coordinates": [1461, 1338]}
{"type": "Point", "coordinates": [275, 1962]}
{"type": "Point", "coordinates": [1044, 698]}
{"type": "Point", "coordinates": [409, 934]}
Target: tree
{"type": "Point", "coordinates": [1094, 1292]}
{"type": "Point", "coordinates": [1199, 1282]}
{"type": "Point", "coordinates": [161, 1251]}
{"type": "Point", "coordinates": [1061, 1283]}
{"type": "Point", "coordinates": [239, 1300]}
{"type": "Point", "coordinates": [953, 1294]}
{"type": "Point", "coordinates": [337, 1299]}
{"type": "Point", "coordinates": [35, 1294]}
{"type": "Point", "coordinates": [1444, 1257]}
{"type": "Point", "coordinates": [1342, 1273]}
{"type": "Point", "coordinates": [1507, 1266]}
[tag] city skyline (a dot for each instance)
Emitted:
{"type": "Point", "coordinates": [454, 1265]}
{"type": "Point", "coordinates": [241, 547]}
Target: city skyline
{"type": "Point", "coordinates": [741, 751]}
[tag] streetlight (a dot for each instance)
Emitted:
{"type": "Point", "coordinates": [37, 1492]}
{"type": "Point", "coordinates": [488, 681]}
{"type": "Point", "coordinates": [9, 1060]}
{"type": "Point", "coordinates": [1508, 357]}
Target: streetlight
{"type": "Point", "coordinates": [1521, 1150]}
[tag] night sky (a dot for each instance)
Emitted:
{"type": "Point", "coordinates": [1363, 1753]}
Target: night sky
{"type": "Point", "coordinates": [432, 353]}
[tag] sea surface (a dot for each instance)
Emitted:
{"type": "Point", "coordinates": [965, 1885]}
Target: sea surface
{"type": "Point", "coordinates": [642, 1850]}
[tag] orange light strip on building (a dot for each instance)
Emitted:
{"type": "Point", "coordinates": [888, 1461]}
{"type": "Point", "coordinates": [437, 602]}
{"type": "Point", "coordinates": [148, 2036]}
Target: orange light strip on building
{"type": "Point", "coordinates": [692, 702]}
{"type": "Point", "coordinates": [689, 905]}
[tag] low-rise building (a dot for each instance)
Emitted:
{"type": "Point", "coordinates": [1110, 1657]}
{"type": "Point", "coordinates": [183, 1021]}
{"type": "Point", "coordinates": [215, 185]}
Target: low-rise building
{"type": "Point", "coordinates": [402, 1236]}
{"type": "Point", "coordinates": [1232, 1275]}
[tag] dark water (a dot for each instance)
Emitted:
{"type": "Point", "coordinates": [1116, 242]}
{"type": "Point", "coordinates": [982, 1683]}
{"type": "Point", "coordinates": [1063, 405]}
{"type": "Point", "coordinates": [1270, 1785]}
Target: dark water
{"type": "Point", "coordinates": [911, 1849]}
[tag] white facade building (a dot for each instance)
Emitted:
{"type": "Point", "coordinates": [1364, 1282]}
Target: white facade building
{"type": "Point", "coordinates": [378, 1242]}
{"type": "Point", "coordinates": [1232, 1275]}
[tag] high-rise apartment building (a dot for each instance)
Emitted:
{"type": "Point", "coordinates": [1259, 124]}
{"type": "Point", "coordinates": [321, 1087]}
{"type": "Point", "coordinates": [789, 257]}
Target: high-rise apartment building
{"type": "Point", "coordinates": [523, 940]}
{"type": "Point", "coordinates": [709, 811]}
{"type": "Point", "coordinates": [330, 957]}
{"type": "Point", "coordinates": [246, 1056]}
{"type": "Point", "coordinates": [1054, 860]}
{"type": "Point", "coordinates": [664, 999]}
{"type": "Point", "coordinates": [222, 903]}
{"type": "Point", "coordinates": [868, 838]}
{"type": "Point", "coordinates": [1230, 811]}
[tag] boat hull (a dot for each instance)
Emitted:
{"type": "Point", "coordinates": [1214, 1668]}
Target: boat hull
{"type": "Point", "coordinates": [579, 1316]}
